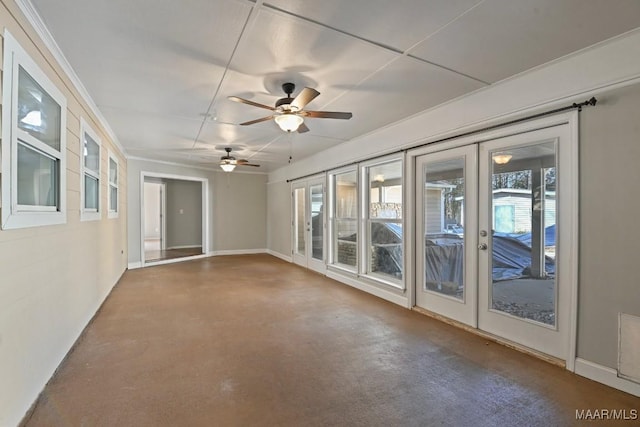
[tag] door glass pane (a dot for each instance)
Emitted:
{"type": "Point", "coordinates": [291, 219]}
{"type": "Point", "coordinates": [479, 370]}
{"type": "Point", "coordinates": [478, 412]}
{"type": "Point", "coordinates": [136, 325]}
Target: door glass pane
{"type": "Point", "coordinates": [385, 219]}
{"type": "Point", "coordinates": [91, 154]}
{"type": "Point", "coordinates": [524, 232]}
{"type": "Point", "coordinates": [317, 221]}
{"type": "Point", "coordinates": [38, 113]}
{"type": "Point", "coordinates": [37, 177]}
{"type": "Point", "coordinates": [444, 186]}
{"type": "Point", "coordinates": [299, 220]}
{"type": "Point", "coordinates": [90, 193]}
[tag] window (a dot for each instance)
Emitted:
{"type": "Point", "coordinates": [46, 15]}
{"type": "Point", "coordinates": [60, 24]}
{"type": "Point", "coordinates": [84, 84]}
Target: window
{"type": "Point", "coordinates": [90, 172]}
{"type": "Point", "coordinates": [113, 186]}
{"type": "Point", "coordinates": [383, 225]}
{"type": "Point", "coordinates": [344, 219]}
{"type": "Point", "coordinates": [34, 154]}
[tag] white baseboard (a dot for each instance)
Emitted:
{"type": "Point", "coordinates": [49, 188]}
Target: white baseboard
{"type": "Point", "coordinates": [238, 252]}
{"type": "Point", "coordinates": [183, 247]}
{"type": "Point", "coordinates": [283, 257]}
{"type": "Point", "coordinates": [370, 289]}
{"type": "Point", "coordinates": [605, 375]}
{"type": "Point", "coordinates": [134, 265]}
{"type": "Point", "coordinates": [174, 260]}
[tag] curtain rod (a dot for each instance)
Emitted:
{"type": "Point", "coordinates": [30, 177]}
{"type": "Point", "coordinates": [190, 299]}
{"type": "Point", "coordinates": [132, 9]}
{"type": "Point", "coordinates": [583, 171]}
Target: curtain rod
{"type": "Point", "coordinates": [575, 106]}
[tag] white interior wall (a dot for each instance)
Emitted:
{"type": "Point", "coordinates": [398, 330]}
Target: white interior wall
{"type": "Point", "coordinates": [54, 278]}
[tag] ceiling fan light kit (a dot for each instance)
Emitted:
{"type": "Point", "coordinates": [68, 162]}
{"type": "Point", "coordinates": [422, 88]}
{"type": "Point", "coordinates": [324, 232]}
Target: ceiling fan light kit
{"type": "Point", "coordinates": [228, 163]}
{"type": "Point", "coordinates": [227, 167]}
{"type": "Point", "coordinates": [289, 122]}
{"type": "Point", "coordinates": [289, 112]}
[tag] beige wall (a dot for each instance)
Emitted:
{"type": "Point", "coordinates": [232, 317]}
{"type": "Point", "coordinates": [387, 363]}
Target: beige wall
{"type": "Point", "coordinates": [54, 278]}
{"type": "Point", "coordinates": [609, 231]}
{"type": "Point", "coordinates": [184, 214]}
{"type": "Point", "coordinates": [279, 218]}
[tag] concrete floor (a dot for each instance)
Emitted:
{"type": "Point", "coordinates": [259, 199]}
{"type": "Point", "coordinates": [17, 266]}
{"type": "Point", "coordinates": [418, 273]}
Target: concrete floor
{"type": "Point", "coordinates": [252, 340]}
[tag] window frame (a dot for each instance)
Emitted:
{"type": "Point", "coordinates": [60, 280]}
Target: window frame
{"type": "Point", "coordinates": [15, 215]}
{"type": "Point", "coordinates": [89, 214]}
{"type": "Point", "coordinates": [366, 221]}
{"type": "Point", "coordinates": [113, 213]}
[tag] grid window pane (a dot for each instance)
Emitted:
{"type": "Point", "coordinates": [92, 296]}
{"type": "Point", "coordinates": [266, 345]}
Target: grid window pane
{"type": "Point", "coordinates": [38, 113]}
{"type": "Point", "coordinates": [347, 246]}
{"type": "Point", "coordinates": [113, 199]}
{"type": "Point", "coordinates": [346, 195]}
{"type": "Point", "coordinates": [37, 178]}
{"type": "Point", "coordinates": [90, 193]}
{"type": "Point", "coordinates": [385, 235]}
{"type": "Point", "coordinates": [91, 154]}
{"type": "Point", "coordinates": [113, 172]}
{"type": "Point", "coordinates": [386, 249]}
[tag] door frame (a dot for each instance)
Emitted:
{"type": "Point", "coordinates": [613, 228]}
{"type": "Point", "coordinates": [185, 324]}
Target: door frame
{"type": "Point", "coordinates": [205, 215]}
{"type": "Point", "coordinates": [308, 261]}
{"type": "Point", "coordinates": [571, 119]}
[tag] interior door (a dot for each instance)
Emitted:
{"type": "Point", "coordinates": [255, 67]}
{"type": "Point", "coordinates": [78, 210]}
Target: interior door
{"type": "Point", "coordinates": [524, 245]}
{"type": "Point", "coordinates": [446, 212]}
{"type": "Point", "coordinates": [309, 224]}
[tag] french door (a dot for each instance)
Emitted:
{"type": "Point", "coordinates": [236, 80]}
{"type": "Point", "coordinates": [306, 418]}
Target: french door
{"type": "Point", "coordinates": [308, 199]}
{"type": "Point", "coordinates": [498, 220]}
{"type": "Point", "coordinates": [446, 194]}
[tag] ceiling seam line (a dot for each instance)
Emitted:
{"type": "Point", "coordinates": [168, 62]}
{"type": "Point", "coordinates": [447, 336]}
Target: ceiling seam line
{"type": "Point", "coordinates": [318, 23]}
{"type": "Point", "coordinates": [226, 69]}
{"type": "Point", "coordinates": [408, 55]}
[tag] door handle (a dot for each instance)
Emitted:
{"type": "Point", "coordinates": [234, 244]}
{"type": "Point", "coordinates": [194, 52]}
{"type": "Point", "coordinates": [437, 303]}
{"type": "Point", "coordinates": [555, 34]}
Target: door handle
{"type": "Point", "coordinates": [482, 246]}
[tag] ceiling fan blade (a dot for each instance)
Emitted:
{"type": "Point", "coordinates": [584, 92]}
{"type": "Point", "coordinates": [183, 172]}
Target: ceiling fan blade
{"type": "Point", "coordinates": [263, 119]}
{"type": "Point", "coordinates": [303, 128]}
{"type": "Point", "coordinates": [326, 114]}
{"type": "Point", "coordinates": [306, 96]}
{"type": "Point", "coordinates": [249, 164]}
{"type": "Point", "coordinates": [246, 101]}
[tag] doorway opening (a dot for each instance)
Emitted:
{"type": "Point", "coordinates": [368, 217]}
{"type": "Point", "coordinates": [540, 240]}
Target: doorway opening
{"type": "Point", "coordinates": [173, 218]}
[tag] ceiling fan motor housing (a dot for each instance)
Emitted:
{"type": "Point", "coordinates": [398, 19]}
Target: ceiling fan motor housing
{"type": "Point", "coordinates": [284, 101]}
{"type": "Point", "coordinates": [288, 88]}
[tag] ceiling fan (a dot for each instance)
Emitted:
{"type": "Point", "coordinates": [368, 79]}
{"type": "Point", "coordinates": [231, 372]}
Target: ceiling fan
{"type": "Point", "coordinates": [229, 163]}
{"type": "Point", "coordinates": [288, 112]}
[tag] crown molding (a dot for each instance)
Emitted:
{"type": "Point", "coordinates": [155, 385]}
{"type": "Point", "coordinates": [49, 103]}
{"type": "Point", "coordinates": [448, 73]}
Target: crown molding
{"type": "Point", "coordinates": [41, 29]}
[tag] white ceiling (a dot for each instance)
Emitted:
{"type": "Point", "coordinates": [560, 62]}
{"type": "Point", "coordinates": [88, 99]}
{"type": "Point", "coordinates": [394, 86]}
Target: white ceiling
{"type": "Point", "coordinates": [157, 68]}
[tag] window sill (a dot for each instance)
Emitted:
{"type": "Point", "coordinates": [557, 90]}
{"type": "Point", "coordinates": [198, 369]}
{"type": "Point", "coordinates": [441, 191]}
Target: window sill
{"type": "Point", "coordinates": [32, 219]}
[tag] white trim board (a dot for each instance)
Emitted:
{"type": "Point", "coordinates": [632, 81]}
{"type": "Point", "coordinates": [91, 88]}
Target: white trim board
{"type": "Point", "coordinates": [237, 252]}
{"type": "Point", "coordinates": [401, 300]}
{"type": "Point", "coordinates": [283, 257]}
{"type": "Point", "coordinates": [134, 265]}
{"type": "Point", "coordinates": [605, 375]}
{"type": "Point", "coordinates": [205, 208]}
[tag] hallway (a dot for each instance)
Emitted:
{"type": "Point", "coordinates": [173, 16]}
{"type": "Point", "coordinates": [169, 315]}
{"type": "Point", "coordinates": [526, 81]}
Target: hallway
{"type": "Point", "coordinates": [253, 340]}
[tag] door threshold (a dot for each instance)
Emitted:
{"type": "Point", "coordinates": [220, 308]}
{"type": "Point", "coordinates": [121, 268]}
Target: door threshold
{"type": "Point", "coordinates": [494, 338]}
